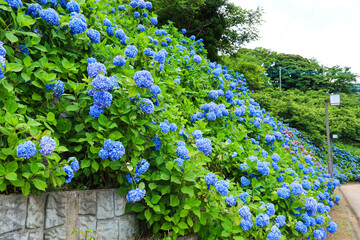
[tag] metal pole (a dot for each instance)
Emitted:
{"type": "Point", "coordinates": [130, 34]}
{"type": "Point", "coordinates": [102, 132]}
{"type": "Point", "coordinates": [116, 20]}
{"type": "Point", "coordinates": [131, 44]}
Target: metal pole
{"type": "Point", "coordinates": [280, 77]}
{"type": "Point", "coordinates": [330, 162]}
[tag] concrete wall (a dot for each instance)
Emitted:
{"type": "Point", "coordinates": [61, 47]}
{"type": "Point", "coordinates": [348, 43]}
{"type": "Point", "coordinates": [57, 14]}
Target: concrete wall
{"type": "Point", "coordinates": [55, 215]}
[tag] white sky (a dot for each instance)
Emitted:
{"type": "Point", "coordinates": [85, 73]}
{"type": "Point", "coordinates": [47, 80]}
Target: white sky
{"type": "Point", "coordinates": [328, 30]}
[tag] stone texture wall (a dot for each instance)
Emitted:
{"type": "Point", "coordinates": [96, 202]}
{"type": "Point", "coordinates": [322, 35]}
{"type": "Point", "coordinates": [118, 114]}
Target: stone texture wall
{"type": "Point", "coordinates": [55, 215]}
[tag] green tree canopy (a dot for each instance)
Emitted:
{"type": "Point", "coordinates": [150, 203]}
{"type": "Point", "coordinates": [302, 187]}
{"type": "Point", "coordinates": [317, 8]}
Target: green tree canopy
{"type": "Point", "coordinates": [223, 26]}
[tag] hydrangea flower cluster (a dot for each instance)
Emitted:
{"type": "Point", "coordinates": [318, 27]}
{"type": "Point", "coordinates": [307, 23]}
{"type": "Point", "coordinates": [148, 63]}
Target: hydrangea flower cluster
{"type": "Point", "coordinates": [69, 174]}
{"type": "Point", "coordinates": [135, 195]}
{"type": "Point", "coordinates": [112, 149]}
{"type": "Point", "coordinates": [26, 150]}
{"type": "Point", "coordinates": [204, 145]}
{"type": "Point", "coordinates": [47, 145]}
{"type": "Point", "coordinates": [50, 16]}
{"type": "Point", "coordinates": [58, 88]}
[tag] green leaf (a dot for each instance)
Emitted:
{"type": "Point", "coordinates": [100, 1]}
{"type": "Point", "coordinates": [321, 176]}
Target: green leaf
{"type": "Point", "coordinates": [166, 226]}
{"type": "Point", "coordinates": [103, 120]}
{"type": "Point", "coordinates": [14, 67]}
{"type": "Point", "coordinates": [115, 165]}
{"type": "Point", "coordinates": [85, 163]}
{"type": "Point", "coordinates": [152, 186]}
{"type": "Point", "coordinates": [34, 168]}
{"type": "Point", "coordinates": [73, 108]}
{"type": "Point", "coordinates": [41, 48]}
{"type": "Point", "coordinates": [155, 199]}
{"type": "Point", "coordinates": [147, 214]}
{"type": "Point", "coordinates": [190, 176]}
{"type": "Point", "coordinates": [11, 167]}
{"type": "Point", "coordinates": [39, 184]}
{"type": "Point", "coordinates": [174, 200]}
{"type": "Point", "coordinates": [188, 190]}
{"type": "Point", "coordinates": [11, 176]}
{"type": "Point", "coordinates": [95, 165]}
{"type": "Point", "coordinates": [183, 225]}
{"type": "Point", "coordinates": [11, 37]}
{"type": "Point", "coordinates": [137, 207]}
{"type": "Point", "coordinates": [25, 189]}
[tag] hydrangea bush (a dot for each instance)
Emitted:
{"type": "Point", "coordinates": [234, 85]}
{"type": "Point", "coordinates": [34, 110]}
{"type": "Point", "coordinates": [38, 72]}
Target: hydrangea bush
{"type": "Point", "coordinates": [94, 95]}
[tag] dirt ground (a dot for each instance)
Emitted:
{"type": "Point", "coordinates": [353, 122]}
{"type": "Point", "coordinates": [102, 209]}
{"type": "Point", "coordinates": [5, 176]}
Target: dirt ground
{"type": "Point", "coordinates": [348, 226]}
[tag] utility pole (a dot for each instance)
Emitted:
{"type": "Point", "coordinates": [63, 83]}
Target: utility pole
{"type": "Point", "coordinates": [280, 76]}
{"type": "Point", "coordinates": [330, 162]}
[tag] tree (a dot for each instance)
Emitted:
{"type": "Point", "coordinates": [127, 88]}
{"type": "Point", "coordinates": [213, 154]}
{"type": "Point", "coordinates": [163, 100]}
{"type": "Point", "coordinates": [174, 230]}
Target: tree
{"type": "Point", "coordinates": [223, 26]}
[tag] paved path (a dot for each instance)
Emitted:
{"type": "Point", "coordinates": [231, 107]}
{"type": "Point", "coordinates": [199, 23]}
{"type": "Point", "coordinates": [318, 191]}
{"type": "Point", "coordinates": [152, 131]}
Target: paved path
{"type": "Point", "coordinates": [350, 198]}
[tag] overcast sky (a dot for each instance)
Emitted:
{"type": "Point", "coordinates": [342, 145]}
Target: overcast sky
{"type": "Point", "coordinates": [328, 30]}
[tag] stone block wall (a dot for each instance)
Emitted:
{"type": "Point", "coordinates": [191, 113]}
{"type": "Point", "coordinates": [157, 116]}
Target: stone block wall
{"type": "Point", "coordinates": [55, 215]}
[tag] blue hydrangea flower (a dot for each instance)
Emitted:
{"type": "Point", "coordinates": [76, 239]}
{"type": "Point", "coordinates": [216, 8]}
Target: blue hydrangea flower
{"type": "Point", "coordinates": [121, 8]}
{"type": "Point", "coordinates": [280, 221]}
{"type": "Point", "coordinates": [136, 195]}
{"type": "Point", "coordinates": [263, 168]}
{"type": "Point", "coordinates": [14, 4]}
{"type": "Point", "coordinates": [157, 142]}
{"type": "Point", "coordinates": [50, 16]}
{"type": "Point", "coordinates": [149, 5]}
{"type": "Point", "coordinates": [94, 35]}
{"type": "Point", "coordinates": [244, 166]}
{"type": "Point", "coordinates": [131, 179]}
{"type": "Point", "coordinates": [136, 15]}
{"type": "Point", "coordinates": [74, 164]}
{"type": "Point", "coordinates": [119, 61]}
{"type": "Point", "coordinates": [53, 3]}
{"type": "Point", "coordinates": [26, 150]}
{"type": "Point", "coordinates": [244, 181]}
{"type": "Point", "coordinates": [102, 83]}
{"type": "Point", "coordinates": [63, 3]}
{"type": "Point", "coordinates": [34, 9]}
{"type": "Point", "coordinates": [197, 59]}
{"type": "Point", "coordinates": [173, 127]}
{"type": "Point", "coordinates": [146, 106]}
{"type": "Point", "coordinates": [310, 204]}
{"type": "Point", "coordinates": [230, 201]}
{"type": "Point", "coordinates": [275, 157]}
{"type": "Point", "coordinates": [130, 51]}
{"type": "Point", "coordinates": [210, 179]}
{"type": "Point", "coordinates": [300, 226]}
{"type": "Point", "coordinates": [95, 112]}
{"type": "Point", "coordinates": [141, 167]}
{"type": "Point", "coordinates": [270, 209]}
{"type": "Point", "coordinates": [319, 219]}
{"type": "Point", "coordinates": [197, 134]}
{"type": "Point", "coordinates": [319, 234]}
{"type": "Point", "coordinates": [222, 187]}
{"type": "Point", "coordinates": [2, 66]}
{"type": "Point", "coordinates": [182, 152]}
{"type": "Point", "coordinates": [58, 88]}
{"type": "Point", "coordinates": [141, 4]}
{"type": "Point", "coordinates": [262, 220]}
{"type": "Point", "coordinates": [2, 50]}
{"type": "Point", "coordinates": [47, 145]}
{"type": "Point", "coordinates": [77, 25]}
{"type": "Point", "coordinates": [154, 21]}
{"type": "Point", "coordinates": [246, 225]}
{"type": "Point", "coordinates": [204, 145]}
{"type": "Point", "coordinates": [102, 99]}
{"type": "Point", "coordinates": [183, 30]}
{"type": "Point", "coordinates": [275, 234]}
{"type": "Point", "coordinates": [112, 149]}
{"type": "Point", "coordinates": [133, 4]}
{"type": "Point", "coordinates": [337, 198]}
{"type": "Point", "coordinates": [143, 79]}
{"type": "Point", "coordinates": [73, 6]}
{"type": "Point", "coordinates": [155, 89]}
{"type": "Point", "coordinates": [94, 69]}
{"type": "Point", "coordinates": [283, 193]}
{"type": "Point", "coordinates": [164, 127]}
{"type": "Point", "coordinates": [69, 174]}
{"type": "Point", "coordinates": [296, 189]}
{"type": "Point", "coordinates": [120, 34]}
{"type": "Point", "coordinates": [244, 211]}
{"type": "Point", "coordinates": [243, 196]}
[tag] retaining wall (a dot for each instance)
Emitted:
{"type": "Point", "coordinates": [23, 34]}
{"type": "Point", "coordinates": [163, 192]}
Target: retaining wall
{"type": "Point", "coordinates": [55, 215]}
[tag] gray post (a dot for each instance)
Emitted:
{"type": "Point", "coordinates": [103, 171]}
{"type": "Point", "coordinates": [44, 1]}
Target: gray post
{"type": "Point", "coordinates": [330, 162]}
{"type": "Point", "coordinates": [280, 77]}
